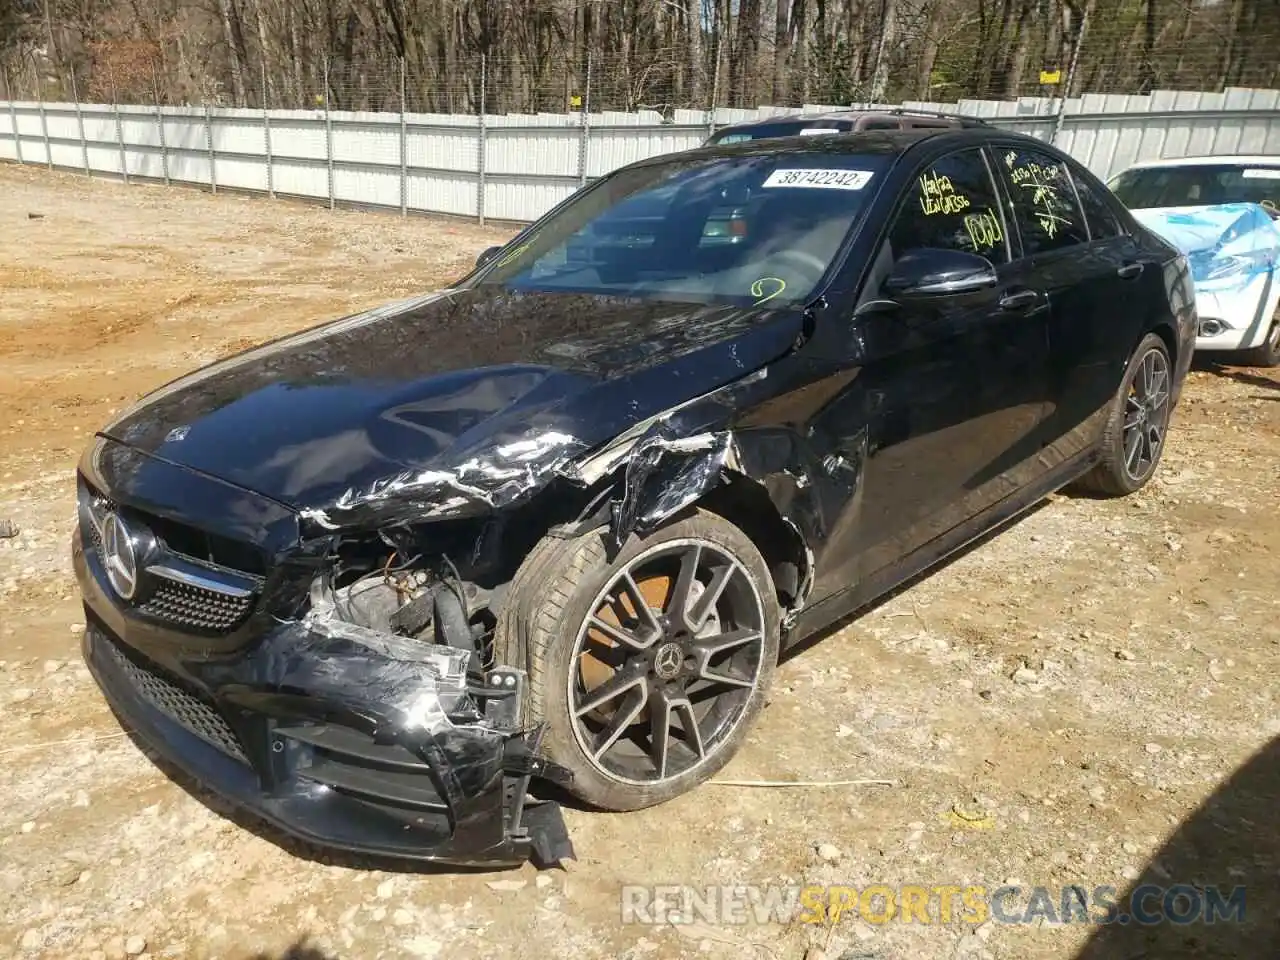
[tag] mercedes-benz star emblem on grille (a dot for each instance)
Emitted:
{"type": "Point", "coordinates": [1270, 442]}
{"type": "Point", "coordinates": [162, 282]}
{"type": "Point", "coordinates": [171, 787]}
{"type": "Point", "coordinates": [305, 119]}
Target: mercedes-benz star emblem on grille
{"type": "Point", "coordinates": [119, 557]}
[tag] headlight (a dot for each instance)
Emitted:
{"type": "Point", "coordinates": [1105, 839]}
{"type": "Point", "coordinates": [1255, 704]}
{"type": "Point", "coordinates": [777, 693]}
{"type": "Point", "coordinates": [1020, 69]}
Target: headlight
{"type": "Point", "coordinates": [1236, 266]}
{"type": "Point", "coordinates": [1223, 267]}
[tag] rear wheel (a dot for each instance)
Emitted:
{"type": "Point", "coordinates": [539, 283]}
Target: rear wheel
{"type": "Point", "coordinates": [1268, 353]}
{"type": "Point", "coordinates": [1134, 434]}
{"type": "Point", "coordinates": [647, 671]}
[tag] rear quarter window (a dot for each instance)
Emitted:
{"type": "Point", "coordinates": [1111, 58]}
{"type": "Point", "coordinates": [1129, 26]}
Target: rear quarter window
{"type": "Point", "coordinates": [1098, 213]}
{"type": "Point", "coordinates": [1043, 199]}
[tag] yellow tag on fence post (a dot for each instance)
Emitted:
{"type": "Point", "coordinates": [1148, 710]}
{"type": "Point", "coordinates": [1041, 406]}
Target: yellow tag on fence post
{"type": "Point", "coordinates": [1050, 77]}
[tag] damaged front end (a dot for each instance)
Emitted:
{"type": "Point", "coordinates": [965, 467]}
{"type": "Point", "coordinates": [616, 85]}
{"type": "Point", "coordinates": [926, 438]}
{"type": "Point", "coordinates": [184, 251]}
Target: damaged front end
{"type": "Point", "coordinates": [346, 685]}
{"type": "Point", "coordinates": [371, 720]}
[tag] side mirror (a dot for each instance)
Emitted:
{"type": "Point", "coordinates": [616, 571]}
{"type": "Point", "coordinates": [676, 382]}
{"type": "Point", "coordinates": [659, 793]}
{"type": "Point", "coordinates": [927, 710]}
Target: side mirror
{"type": "Point", "coordinates": [930, 271]}
{"type": "Point", "coordinates": [488, 255]}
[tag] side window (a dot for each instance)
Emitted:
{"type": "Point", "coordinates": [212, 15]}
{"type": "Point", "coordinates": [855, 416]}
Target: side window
{"type": "Point", "coordinates": [952, 204]}
{"type": "Point", "coordinates": [1044, 205]}
{"type": "Point", "coordinates": [1103, 223]}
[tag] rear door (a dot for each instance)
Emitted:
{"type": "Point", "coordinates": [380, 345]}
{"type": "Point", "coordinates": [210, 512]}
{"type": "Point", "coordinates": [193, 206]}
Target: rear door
{"type": "Point", "coordinates": [954, 383]}
{"type": "Point", "coordinates": [1094, 274]}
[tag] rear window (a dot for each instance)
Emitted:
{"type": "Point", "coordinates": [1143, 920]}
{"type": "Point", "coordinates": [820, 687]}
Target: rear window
{"type": "Point", "coordinates": [1198, 186]}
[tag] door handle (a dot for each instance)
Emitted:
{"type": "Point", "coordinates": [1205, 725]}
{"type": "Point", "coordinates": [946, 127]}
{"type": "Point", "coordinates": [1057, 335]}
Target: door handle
{"type": "Point", "coordinates": [1129, 271]}
{"type": "Point", "coordinates": [1019, 300]}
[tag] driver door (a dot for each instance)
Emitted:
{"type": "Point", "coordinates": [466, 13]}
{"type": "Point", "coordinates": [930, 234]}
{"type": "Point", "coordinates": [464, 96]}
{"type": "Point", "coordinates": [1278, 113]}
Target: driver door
{"type": "Point", "coordinates": [955, 382]}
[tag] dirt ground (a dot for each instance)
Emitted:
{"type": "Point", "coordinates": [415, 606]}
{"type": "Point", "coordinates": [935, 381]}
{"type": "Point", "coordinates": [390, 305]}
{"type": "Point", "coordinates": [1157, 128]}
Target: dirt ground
{"type": "Point", "coordinates": [1056, 706]}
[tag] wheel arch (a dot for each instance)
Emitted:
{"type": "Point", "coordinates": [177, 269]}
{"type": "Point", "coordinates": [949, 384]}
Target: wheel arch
{"type": "Point", "coordinates": [754, 481]}
{"type": "Point", "coordinates": [1164, 329]}
{"type": "Point", "coordinates": [747, 505]}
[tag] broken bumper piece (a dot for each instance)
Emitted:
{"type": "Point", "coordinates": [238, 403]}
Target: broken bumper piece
{"type": "Point", "coordinates": [337, 744]}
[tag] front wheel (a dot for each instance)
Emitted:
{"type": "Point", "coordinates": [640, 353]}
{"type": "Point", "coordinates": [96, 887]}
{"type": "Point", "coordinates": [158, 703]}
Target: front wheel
{"type": "Point", "coordinates": [1134, 434]}
{"type": "Point", "coordinates": [647, 671]}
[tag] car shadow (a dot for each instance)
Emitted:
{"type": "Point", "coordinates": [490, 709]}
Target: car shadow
{"type": "Point", "coordinates": [1245, 375]}
{"type": "Point", "coordinates": [1231, 841]}
{"type": "Point", "coordinates": [288, 843]}
{"type": "Point", "coordinates": [299, 950]}
{"type": "Point", "coordinates": [847, 621]}
{"type": "Point", "coordinates": [558, 794]}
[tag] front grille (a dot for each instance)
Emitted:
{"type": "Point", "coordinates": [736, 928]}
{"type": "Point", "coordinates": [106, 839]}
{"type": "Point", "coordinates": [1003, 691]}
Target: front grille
{"type": "Point", "coordinates": [184, 709]}
{"type": "Point", "coordinates": [195, 607]}
{"type": "Point", "coordinates": [178, 597]}
{"type": "Point", "coordinates": [206, 547]}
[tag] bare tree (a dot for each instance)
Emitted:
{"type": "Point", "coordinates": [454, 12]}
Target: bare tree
{"type": "Point", "coordinates": [661, 53]}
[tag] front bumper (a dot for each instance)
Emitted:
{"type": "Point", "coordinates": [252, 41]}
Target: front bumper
{"type": "Point", "coordinates": [331, 741]}
{"type": "Point", "coordinates": [1236, 317]}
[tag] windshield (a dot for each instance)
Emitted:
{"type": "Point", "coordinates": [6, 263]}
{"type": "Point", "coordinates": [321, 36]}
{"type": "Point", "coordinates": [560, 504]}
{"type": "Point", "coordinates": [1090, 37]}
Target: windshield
{"type": "Point", "coordinates": [745, 230]}
{"type": "Point", "coordinates": [1198, 186]}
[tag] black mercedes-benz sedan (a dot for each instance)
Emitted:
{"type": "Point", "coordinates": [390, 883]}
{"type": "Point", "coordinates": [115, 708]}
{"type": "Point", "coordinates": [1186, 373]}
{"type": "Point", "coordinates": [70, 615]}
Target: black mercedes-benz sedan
{"type": "Point", "coordinates": [376, 581]}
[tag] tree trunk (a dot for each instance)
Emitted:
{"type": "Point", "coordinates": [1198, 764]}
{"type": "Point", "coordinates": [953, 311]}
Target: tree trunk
{"type": "Point", "coordinates": [1021, 52]}
{"type": "Point", "coordinates": [233, 50]}
{"type": "Point", "coordinates": [268, 88]}
{"type": "Point", "coordinates": [884, 51]}
{"type": "Point", "coordinates": [1233, 40]}
{"type": "Point", "coordinates": [800, 42]}
{"type": "Point", "coordinates": [928, 57]}
{"type": "Point", "coordinates": [697, 62]}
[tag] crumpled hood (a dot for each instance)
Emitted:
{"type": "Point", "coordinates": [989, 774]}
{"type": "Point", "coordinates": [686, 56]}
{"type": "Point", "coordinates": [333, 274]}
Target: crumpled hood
{"type": "Point", "coordinates": [1234, 241]}
{"type": "Point", "coordinates": [458, 401]}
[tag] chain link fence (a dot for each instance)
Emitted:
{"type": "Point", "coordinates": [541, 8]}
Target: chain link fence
{"type": "Point", "coordinates": [506, 135]}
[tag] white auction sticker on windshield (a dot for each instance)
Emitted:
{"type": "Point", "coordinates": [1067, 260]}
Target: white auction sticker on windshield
{"type": "Point", "coordinates": [820, 179]}
{"type": "Point", "coordinates": [818, 131]}
{"type": "Point", "coordinates": [1262, 173]}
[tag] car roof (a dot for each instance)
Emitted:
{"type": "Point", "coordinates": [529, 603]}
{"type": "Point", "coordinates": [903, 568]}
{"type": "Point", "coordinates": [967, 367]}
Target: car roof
{"type": "Point", "coordinates": [1242, 160]}
{"type": "Point", "coordinates": [851, 117]}
{"type": "Point", "coordinates": [883, 142]}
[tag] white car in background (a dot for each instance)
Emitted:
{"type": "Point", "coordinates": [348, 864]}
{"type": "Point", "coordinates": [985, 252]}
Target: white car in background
{"type": "Point", "coordinates": [1224, 214]}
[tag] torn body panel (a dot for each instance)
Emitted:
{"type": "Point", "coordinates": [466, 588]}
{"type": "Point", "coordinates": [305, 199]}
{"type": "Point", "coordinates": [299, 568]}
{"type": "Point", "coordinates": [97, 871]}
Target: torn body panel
{"type": "Point", "coordinates": [801, 465]}
{"type": "Point", "coordinates": [512, 472]}
{"type": "Point", "coordinates": [339, 734]}
{"type": "Point", "coordinates": [447, 406]}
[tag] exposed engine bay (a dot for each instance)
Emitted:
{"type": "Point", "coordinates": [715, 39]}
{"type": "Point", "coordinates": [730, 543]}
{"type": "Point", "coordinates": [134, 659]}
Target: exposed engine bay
{"type": "Point", "coordinates": [394, 586]}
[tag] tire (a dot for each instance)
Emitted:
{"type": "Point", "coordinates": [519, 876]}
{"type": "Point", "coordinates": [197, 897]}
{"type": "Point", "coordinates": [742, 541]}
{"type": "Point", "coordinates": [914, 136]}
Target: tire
{"type": "Point", "coordinates": [1113, 476]}
{"type": "Point", "coordinates": [1267, 354]}
{"type": "Point", "coordinates": [545, 630]}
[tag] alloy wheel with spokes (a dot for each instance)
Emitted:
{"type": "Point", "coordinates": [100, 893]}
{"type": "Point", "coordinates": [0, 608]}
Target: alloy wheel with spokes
{"type": "Point", "coordinates": [1146, 414]}
{"type": "Point", "coordinates": [1136, 422]}
{"type": "Point", "coordinates": [665, 663]}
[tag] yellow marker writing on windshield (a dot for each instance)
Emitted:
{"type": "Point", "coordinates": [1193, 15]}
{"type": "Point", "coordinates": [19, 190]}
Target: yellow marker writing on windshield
{"type": "Point", "coordinates": [760, 286]}
{"type": "Point", "coordinates": [513, 254]}
{"type": "Point", "coordinates": [518, 251]}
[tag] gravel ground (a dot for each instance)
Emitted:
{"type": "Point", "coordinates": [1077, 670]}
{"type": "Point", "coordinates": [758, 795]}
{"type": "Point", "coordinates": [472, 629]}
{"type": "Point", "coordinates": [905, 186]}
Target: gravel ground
{"type": "Point", "coordinates": [1087, 698]}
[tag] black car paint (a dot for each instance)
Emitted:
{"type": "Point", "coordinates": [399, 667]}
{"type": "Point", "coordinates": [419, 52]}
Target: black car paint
{"type": "Point", "coordinates": [858, 447]}
{"type": "Point", "coordinates": [324, 421]}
